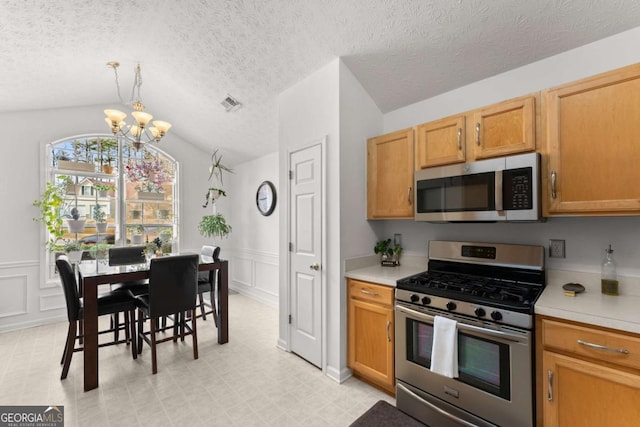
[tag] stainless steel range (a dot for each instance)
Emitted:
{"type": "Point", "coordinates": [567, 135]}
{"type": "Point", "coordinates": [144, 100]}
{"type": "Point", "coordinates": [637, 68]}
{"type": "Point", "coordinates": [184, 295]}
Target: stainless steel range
{"type": "Point", "coordinates": [489, 290]}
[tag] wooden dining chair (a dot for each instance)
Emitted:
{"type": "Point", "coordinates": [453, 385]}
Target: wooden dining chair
{"type": "Point", "coordinates": [173, 286]}
{"type": "Point", "coordinates": [207, 283]}
{"type": "Point", "coordinates": [108, 303]}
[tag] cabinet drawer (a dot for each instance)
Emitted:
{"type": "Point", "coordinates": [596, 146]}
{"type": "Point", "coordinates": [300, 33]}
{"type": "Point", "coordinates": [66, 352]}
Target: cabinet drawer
{"type": "Point", "coordinates": [371, 292]}
{"type": "Point", "coordinates": [607, 346]}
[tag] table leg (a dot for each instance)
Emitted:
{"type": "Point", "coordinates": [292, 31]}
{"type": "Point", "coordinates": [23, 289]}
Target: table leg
{"type": "Point", "coordinates": [90, 295]}
{"type": "Point", "coordinates": [223, 304]}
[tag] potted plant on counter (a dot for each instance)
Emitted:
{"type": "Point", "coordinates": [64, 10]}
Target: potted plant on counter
{"type": "Point", "coordinates": [389, 252]}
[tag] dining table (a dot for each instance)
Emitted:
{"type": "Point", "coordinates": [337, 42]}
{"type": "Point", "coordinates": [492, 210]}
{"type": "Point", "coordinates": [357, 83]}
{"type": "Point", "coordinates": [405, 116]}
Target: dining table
{"type": "Point", "coordinates": [93, 273]}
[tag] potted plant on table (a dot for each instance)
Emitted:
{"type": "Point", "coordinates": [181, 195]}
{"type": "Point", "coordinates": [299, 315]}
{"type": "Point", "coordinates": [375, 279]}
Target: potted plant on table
{"type": "Point", "coordinates": [215, 225]}
{"type": "Point", "coordinates": [389, 252]}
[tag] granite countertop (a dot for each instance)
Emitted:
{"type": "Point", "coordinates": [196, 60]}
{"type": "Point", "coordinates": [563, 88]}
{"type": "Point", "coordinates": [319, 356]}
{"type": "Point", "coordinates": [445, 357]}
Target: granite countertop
{"type": "Point", "coordinates": [620, 312]}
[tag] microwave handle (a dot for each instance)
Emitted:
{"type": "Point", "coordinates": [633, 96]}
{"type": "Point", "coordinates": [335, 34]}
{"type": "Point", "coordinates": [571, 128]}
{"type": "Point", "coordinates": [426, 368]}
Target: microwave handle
{"type": "Point", "coordinates": [498, 191]}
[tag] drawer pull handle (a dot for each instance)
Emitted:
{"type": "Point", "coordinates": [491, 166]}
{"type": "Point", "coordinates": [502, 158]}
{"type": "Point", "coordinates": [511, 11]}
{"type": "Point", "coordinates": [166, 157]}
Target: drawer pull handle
{"type": "Point", "coordinates": [603, 348]}
{"type": "Point", "coordinates": [550, 386]}
{"type": "Point", "coordinates": [366, 292]}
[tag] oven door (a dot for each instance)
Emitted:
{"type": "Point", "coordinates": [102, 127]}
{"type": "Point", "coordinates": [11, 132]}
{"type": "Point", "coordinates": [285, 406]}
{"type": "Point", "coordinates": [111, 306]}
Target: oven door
{"type": "Point", "coordinates": [495, 379]}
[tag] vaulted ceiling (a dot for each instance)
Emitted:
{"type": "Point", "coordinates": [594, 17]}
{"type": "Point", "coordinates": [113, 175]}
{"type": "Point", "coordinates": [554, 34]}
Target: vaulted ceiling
{"type": "Point", "coordinates": [195, 52]}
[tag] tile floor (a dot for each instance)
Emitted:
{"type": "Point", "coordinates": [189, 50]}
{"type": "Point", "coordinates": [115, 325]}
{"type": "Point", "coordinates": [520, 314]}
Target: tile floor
{"type": "Point", "coordinates": [247, 382]}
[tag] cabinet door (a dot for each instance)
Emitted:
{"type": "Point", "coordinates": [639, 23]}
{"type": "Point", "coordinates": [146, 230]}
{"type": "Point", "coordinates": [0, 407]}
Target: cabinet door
{"type": "Point", "coordinates": [390, 175]}
{"type": "Point", "coordinates": [582, 394]}
{"type": "Point", "coordinates": [441, 142]}
{"type": "Point", "coordinates": [370, 343]}
{"type": "Point", "coordinates": [505, 128]}
{"type": "Point", "coordinates": [591, 130]}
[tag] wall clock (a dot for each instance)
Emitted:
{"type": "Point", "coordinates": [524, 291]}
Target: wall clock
{"type": "Point", "coordinates": [266, 198]}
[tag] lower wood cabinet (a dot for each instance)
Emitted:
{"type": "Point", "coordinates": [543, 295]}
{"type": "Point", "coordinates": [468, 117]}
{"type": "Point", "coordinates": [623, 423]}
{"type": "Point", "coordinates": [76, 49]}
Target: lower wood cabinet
{"type": "Point", "coordinates": [588, 376]}
{"type": "Point", "coordinates": [370, 333]}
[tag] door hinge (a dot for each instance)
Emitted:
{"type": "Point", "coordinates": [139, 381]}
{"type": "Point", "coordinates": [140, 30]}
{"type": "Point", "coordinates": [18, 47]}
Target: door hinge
{"type": "Point", "coordinates": [290, 174]}
{"type": "Point", "coordinates": [290, 247]}
{"type": "Point", "coordinates": [289, 319]}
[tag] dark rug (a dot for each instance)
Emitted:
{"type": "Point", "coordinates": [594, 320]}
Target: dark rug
{"type": "Point", "coordinates": [383, 414]}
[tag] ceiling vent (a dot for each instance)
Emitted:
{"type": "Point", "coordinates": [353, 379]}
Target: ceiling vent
{"type": "Point", "coordinates": [231, 104]}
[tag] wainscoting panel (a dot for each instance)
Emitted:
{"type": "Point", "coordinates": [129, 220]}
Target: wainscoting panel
{"type": "Point", "coordinates": [26, 300]}
{"type": "Point", "coordinates": [255, 274]}
{"type": "Point", "coordinates": [13, 295]}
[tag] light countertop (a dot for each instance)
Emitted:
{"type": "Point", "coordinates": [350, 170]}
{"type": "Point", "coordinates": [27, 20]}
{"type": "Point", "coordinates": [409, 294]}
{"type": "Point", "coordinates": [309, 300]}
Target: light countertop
{"type": "Point", "coordinates": [370, 270]}
{"type": "Point", "coordinates": [620, 312]}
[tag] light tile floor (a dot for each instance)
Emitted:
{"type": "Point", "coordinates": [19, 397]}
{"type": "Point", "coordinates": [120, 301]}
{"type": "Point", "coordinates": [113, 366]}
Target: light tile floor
{"type": "Point", "coordinates": [247, 382]}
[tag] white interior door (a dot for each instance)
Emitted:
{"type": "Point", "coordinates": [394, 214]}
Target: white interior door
{"type": "Point", "coordinates": [305, 278]}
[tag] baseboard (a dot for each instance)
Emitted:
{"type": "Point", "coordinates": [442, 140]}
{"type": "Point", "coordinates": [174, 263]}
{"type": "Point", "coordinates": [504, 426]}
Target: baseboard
{"type": "Point", "coordinates": [337, 375]}
{"type": "Point", "coordinates": [32, 323]}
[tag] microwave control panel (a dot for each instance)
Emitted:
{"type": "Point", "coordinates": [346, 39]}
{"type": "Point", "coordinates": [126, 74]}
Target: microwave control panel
{"type": "Point", "coordinates": [517, 189]}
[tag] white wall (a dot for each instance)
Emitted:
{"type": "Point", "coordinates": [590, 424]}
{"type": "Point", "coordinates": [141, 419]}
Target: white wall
{"type": "Point", "coordinates": [25, 298]}
{"type": "Point", "coordinates": [586, 238]}
{"type": "Point", "coordinates": [360, 118]}
{"type": "Point", "coordinates": [254, 238]}
{"type": "Point", "coordinates": [308, 111]}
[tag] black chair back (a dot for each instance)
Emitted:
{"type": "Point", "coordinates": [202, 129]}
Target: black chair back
{"type": "Point", "coordinates": [70, 287]}
{"type": "Point", "coordinates": [173, 284]}
{"type": "Point", "coordinates": [212, 251]}
{"type": "Point", "coordinates": [126, 255]}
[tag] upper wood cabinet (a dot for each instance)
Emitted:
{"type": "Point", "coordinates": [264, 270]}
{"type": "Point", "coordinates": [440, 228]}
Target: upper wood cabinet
{"type": "Point", "coordinates": [508, 127]}
{"type": "Point", "coordinates": [592, 129]}
{"type": "Point", "coordinates": [504, 128]}
{"type": "Point", "coordinates": [441, 142]}
{"type": "Point", "coordinates": [390, 175]}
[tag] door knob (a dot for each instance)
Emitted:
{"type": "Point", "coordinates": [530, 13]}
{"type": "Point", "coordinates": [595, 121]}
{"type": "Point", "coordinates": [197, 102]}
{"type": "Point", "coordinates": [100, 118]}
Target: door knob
{"type": "Point", "coordinates": [315, 266]}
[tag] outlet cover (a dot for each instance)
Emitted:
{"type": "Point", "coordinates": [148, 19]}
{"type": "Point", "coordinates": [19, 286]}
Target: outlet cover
{"type": "Point", "coordinates": [556, 248]}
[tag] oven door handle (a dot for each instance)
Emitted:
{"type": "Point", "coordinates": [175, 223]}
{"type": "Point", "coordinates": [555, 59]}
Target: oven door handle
{"type": "Point", "coordinates": [462, 326]}
{"type": "Point", "coordinates": [442, 412]}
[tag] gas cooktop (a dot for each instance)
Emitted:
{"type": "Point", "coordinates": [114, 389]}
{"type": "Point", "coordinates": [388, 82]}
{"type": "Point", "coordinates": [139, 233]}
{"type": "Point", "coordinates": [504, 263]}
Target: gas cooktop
{"type": "Point", "coordinates": [496, 282]}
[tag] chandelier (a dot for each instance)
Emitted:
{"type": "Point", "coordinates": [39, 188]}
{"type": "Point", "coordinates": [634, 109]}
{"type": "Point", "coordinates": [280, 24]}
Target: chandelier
{"type": "Point", "coordinates": [139, 133]}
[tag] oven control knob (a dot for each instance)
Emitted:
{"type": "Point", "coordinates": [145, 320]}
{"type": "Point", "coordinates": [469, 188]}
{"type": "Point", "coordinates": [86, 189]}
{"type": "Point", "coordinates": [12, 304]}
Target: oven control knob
{"type": "Point", "coordinates": [426, 300]}
{"type": "Point", "coordinates": [414, 298]}
{"type": "Point", "coordinates": [496, 315]}
{"type": "Point", "coordinates": [479, 311]}
{"type": "Point", "coordinates": [451, 306]}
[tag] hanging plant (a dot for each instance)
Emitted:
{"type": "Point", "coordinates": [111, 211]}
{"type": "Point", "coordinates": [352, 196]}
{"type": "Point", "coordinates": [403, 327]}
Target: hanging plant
{"type": "Point", "coordinates": [215, 225]}
{"type": "Point", "coordinates": [50, 203]}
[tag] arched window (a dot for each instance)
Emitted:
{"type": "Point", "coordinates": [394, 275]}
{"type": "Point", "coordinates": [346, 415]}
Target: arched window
{"type": "Point", "coordinates": [113, 193]}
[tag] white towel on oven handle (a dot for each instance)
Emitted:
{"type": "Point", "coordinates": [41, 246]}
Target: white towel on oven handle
{"type": "Point", "coordinates": [444, 352]}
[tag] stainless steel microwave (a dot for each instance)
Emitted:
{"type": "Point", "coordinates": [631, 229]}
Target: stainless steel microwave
{"type": "Point", "coordinates": [500, 189]}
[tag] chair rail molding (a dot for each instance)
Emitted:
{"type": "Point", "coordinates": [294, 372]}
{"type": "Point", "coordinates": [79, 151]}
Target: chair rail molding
{"type": "Point", "coordinates": [255, 274]}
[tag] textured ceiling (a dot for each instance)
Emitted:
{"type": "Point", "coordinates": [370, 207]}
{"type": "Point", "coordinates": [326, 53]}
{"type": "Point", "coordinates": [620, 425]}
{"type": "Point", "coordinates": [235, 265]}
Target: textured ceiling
{"type": "Point", "coordinates": [192, 53]}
